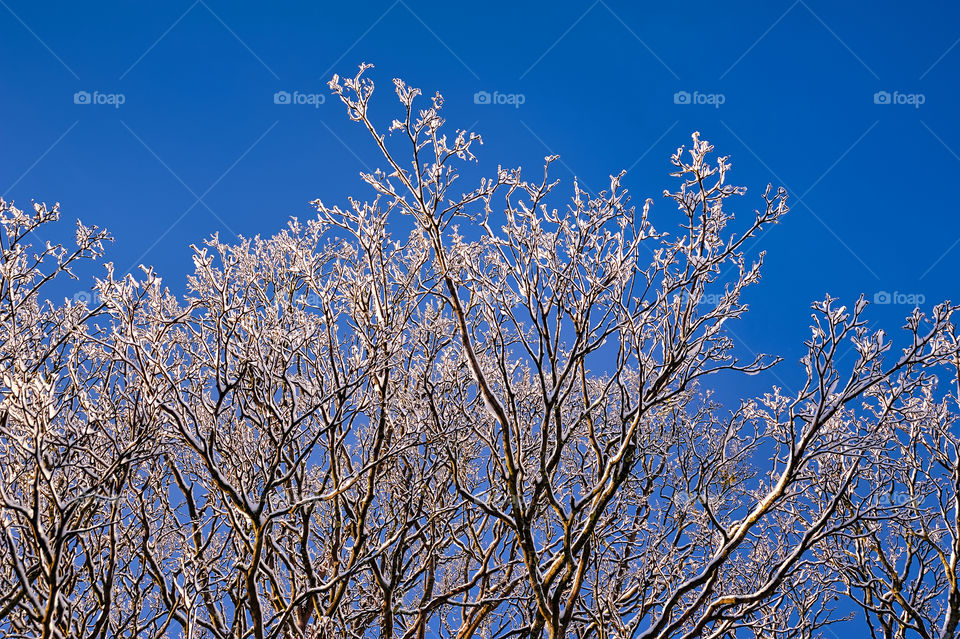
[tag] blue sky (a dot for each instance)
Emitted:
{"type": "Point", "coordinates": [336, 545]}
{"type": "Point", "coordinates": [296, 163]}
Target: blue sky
{"type": "Point", "coordinates": [851, 107]}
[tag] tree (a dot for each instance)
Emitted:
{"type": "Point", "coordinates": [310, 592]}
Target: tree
{"type": "Point", "coordinates": [441, 414]}
{"type": "Point", "coordinates": [901, 566]}
{"type": "Point", "coordinates": [571, 464]}
{"type": "Point", "coordinates": [74, 435]}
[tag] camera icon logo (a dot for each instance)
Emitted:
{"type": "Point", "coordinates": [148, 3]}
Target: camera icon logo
{"type": "Point", "coordinates": [81, 97]}
{"type": "Point", "coordinates": [281, 97]}
{"type": "Point", "coordinates": [481, 97]}
{"type": "Point", "coordinates": [881, 97]}
{"type": "Point", "coordinates": [881, 297]}
{"type": "Point", "coordinates": [681, 97]}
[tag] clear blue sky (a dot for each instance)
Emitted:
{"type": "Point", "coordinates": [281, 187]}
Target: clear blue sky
{"type": "Point", "coordinates": [199, 144]}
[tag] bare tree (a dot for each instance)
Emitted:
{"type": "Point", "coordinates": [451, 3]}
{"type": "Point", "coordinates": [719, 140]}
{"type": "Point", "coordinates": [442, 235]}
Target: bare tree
{"type": "Point", "coordinates": [900, 567]}
{"type": "Point", "coordinates": [572, 461]}
{"type": "Point", "coordinates": [73, 435]}
{"type": "Point", "coordinates": [443, 413]}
